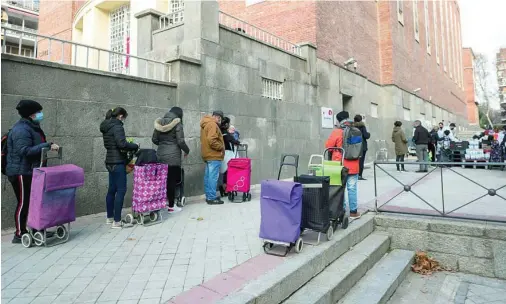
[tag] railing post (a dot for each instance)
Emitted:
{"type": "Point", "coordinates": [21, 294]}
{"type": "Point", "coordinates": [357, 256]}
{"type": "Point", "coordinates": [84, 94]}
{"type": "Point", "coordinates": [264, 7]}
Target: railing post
{"type": "Point", "coordinates": [87, 55]}
{"type": "Point", "coordinates": [35, 55]}
{"type": "Point", "coordinates": [20, 43]}
{"type": "Point", "coordinates": [62, 51]}
{"type": "Point", "coordinates": [49, 51]}
{"type": "Point", "coordinates": [375, 189]}
{"type": "Point", "coordinates": [75, 55]}
{"type": "Point", "coordinates": [98, 59]}
{"type": "Point", "coordinates": [442, 192]}
{"type": "Point", "coordinates": [4, 47]}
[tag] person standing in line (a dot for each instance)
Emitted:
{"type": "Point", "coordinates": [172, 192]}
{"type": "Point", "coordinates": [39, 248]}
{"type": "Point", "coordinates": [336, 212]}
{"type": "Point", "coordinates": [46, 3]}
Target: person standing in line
{"type": "Point", "coordinates": [401, 145]}
{"type": "Point", "coordinates": [358, 123]}
{"type": "Point", "coordinates": [169, 137]}
{"type": "Point", "coordinates": [440, 131]}
{"type": "Point", "coordinates": [25, 142]}
{"type": "Point", "coordinates": [336, 139]}
{"type": "Point", "coordinates": [421, 139]}
{"type": "Point", "coordinates": [433, 143]}
{"type": "Point", "coordinates": [213, 151]}
{"type": "Point", "coordinates": [115, 161]}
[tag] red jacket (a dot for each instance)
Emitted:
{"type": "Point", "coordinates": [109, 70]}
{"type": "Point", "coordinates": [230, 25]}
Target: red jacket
{"type": "Point", "coordinates": [336, 140]}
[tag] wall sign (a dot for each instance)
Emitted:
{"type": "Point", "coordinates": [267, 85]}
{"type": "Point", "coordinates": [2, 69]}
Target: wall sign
{"type": "Point", "coordinates": [327, 118]}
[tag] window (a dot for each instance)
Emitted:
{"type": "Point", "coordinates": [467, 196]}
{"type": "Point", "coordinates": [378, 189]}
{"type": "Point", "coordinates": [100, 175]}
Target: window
{"type": "Point", "coordinates": [407, 114]}
{"type": "Point", "coordinates": [436, 37]}
{"type": "Point", "coordinates": [448, 40]}
{"type": "Point", "coordinates": [416, 21]}
{"type": "Point", "coordinates": [9, 49]}
{"type": "Point", "coordinates": [119, 39]}
{"type": "Point", "coordinates": [272, 89]}
{"type": "Point", "coordinates": [442, 34]}
{"type": "Point", "coordinates": [177, 7]}
{"type": "Point", "coordinates": [451, 58]}
{"type": "Point", "coordinates": [400, 13]}
{"type": "Point", "coordinates": [374, 110]}
{"type": "Point", "coordinates": [427, 25]}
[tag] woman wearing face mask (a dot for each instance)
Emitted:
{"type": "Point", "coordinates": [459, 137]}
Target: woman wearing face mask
{"type": "Point", "coordinates": [115, 161]}
{"type": "Point", "coordinates": [25, 142]}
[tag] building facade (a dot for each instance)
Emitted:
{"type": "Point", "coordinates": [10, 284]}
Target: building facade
{"type": "Point", "coordinates": [415, 45]}
{"type": "Point", "coordinates": [20, 19]}
{"type": "Point", "coordinates": [501, 80]}
{"type": "Point", "coordinates": [469, 86]}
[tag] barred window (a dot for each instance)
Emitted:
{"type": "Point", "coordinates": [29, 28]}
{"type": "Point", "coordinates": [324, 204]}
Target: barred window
{"type": "Point", "coordinates": [119, 39]}
{"type": "Point", "coordinates": [272, 89]}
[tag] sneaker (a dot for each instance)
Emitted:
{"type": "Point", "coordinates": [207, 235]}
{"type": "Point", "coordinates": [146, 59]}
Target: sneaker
{"type": "Point", "coordinates": [174, 209]}
{"type": "Point", "coordinates": [117, 225]}
{"type": "Point", "coordinates": [16, 240]}
{"type": "Point", "coordinates": [215, 202]}
{"type": "Point", "coordinates": [355, 215]}
{"type": "Point", "coordinates": [109, 221]}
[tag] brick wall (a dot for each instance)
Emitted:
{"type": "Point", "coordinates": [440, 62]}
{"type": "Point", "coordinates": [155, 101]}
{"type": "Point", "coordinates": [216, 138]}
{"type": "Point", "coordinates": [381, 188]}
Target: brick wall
{"type": "Point", "coordinates": [472, 108]}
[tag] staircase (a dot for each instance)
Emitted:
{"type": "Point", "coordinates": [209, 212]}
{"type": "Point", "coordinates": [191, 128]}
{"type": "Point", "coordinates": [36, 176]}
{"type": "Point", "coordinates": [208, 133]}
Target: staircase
{"type": "Point", "coordinates": [356, 267]}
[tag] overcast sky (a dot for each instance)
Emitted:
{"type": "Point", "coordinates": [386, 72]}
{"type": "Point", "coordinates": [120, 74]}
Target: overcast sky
{"type": "Point", "coordinates": [484, 28]}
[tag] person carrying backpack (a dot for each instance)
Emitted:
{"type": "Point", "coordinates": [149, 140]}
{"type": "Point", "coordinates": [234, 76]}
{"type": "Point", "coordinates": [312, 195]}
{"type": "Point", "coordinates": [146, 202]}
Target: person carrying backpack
{"type": "Point", "coordinates": [25, 142]}
{"type": "Point", "coordinates": [350, 139]}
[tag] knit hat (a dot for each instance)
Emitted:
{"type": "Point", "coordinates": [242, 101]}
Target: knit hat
{"type": "Point", "coordinates": [28, 107]}
{"type": "Point", "coordinates": [177, 111]}
{"type": "Point", "coordinates": [343, 115]}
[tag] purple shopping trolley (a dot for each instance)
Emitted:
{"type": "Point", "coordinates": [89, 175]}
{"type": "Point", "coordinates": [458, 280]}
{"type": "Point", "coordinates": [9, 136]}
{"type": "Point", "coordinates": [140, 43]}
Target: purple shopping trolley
{"type": "Point", "coordinates": [52, 203]}
{"type": "Point", "coordinates": [281, 213]}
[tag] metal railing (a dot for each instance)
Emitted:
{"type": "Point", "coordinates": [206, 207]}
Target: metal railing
{"type": "Point", "coordinates": [10, 26]}
{"type": "Point", "coordinates": [171, 19]}
{"type": "Point", "coordinates": [245, 28]}
{"type": "Point", "coordinates": [26, 4]}
{"type": "Point", "coordinates": [72, 53]}
{"type": "Point", "coordinates": [441, 168]}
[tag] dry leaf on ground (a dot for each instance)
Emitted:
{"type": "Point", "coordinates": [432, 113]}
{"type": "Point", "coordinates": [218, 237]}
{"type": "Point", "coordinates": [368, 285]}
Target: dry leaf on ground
{"type": "Point", "coordinates": [426, 265]}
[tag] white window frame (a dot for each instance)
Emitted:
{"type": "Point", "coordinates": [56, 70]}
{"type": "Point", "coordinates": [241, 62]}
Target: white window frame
{"type": "Point", "coordinates": [272, 89]}
{"type": "Point", "coordinates": [436, 37]}
{"type": "Point", "coordinates": [119, 31]}
{"type": "Point", "coordinates": [416, 21]}
{"type": "Point", "coordinates": [374, 110]}
{"type": "Point", "coordinates": [427, 26]}
{"type": "Point", "coordinates": [406, 114]}
{"type": "Point", "coordinates": [400, 12]}
{"type": "Point", "coordinates": [443, 46]}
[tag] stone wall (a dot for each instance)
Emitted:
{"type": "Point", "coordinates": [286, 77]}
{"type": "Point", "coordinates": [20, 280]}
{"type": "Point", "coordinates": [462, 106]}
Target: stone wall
{"type": "Point", "coordinates": [75, 101]}
{"type": "Point", "coordinates": [465, 246]}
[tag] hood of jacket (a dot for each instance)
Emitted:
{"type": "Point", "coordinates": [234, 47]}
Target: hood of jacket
{"type": "Point", "coordinates": [208, 119]}
{"type": "Point", "coordinates": [359, 124]}
{"type": "Point", "coordinates": [397, 129]}
{"type": "Point", "coordinates": [167, 123]}
{"type": "Point", "coordinates": [108, 124]}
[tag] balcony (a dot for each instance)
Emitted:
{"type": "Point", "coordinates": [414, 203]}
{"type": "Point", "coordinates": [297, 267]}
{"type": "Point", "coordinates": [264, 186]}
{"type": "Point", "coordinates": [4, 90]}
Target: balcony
{"type": "Point", "coordinates": [13, 31]}
{"type": "Point", "coordinates": [24, 4]}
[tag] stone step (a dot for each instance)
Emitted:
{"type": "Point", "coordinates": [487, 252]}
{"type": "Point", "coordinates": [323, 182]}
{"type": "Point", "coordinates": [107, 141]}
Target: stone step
{"type": "Point", "coordinates": [334, 281]}
{"type": "Point", "coordinates": [297, 269]}
{"type": "Point", "coordinates": [380, 283]}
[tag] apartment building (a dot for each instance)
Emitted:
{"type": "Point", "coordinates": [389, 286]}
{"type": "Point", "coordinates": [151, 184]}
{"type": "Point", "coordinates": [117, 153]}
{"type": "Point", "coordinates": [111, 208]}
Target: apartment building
{"type": "Point", "coordinates": [20, 20]}
{"type": "Point", "coordinates": [469, 86]}
{"type": "Point", "coordinates": [501, 80]}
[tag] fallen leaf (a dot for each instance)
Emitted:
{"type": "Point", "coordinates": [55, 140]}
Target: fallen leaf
{"type": "Point", "coordinates": [130, 239]}
{"type": "Point", "coordinates": [200, 218]}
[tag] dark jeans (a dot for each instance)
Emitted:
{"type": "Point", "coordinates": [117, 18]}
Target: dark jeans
{"type": "Point", "coordinates": [117, 190]}
{"type": "Point", "coordinates": [399, 158]}
{"type": "Point", "coordinates": [173, 177]}
{"type": "Point", "coordinates": [22, 185]}
{"type": "Point", "coordinates": [432, 149]}
{"type": "Point", "coordinates": [361, 164]}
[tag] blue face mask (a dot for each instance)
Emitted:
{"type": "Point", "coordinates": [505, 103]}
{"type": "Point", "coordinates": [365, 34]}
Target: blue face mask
{"type": "Point", "coordinates": [39, 117]}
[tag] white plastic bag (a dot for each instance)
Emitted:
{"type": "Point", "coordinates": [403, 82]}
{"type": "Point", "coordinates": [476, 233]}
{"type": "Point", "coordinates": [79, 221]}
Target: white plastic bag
{"type": "Point", "coordinates": [228, 156]}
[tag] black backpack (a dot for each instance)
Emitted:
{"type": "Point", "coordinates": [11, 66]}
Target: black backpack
{"type": "Point", "coordinates": [5, 137]}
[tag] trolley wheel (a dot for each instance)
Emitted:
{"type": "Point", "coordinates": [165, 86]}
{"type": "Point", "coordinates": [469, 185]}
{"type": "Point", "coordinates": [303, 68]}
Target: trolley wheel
{"type": "Point", "coordinates": [231, 196]}
{"type": "Point", "coordinates": [181, 202]}
{"type": "Point", "coordinates": [129, 219]}
{"type": "Point", "coordinates": [249, 197]}
{"type": "Point", "coordinates": [330, 233]}
{"type": "Point", "coordinates": [268, 245]}
{"type": "Point", "coordinates": [38, 238]}
{"type": "Point", "coordinates": [153, 216]}
{"type": "Point", "coordinates": [345, 222]}
{"type": "Point", "coordinates": [26, 240]}
{"type": "Point", "coordinates": [140, 220]}
{"type": "Point", "coordinates": [61, 232]}
{"type": "Point", "coordinates": [299, 245]}
{"type": "Point", "coordinates": [244, 197]}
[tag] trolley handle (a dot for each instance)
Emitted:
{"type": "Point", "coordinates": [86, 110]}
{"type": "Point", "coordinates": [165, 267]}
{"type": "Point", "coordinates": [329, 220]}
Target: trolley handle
{"type": "Point", "coordinates": [241, 148]}
{"type": "Point", "coordinates": [295, 163]}
{"type": "Point", "coordinates": [44, 156]}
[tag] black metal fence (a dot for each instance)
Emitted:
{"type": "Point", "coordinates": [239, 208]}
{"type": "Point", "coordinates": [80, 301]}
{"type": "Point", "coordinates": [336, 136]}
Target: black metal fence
{"type": "Point", "coordinates": [440, 168]}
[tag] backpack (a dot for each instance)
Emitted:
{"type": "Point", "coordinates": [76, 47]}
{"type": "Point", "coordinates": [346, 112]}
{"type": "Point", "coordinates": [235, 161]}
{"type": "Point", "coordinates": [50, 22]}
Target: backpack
{"type": "Point", "coordinates": [352, 143]}
{"type": "Point", "coordinates": [5, 137]}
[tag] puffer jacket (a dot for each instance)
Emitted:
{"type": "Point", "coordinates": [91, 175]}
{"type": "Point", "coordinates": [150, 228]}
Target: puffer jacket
{"type": "Point", "coordinates": [400, 141]}
{"type": "Point", "coordinates": [115, 141]}
{"type": "Point", "coordinates": [169, 137]}
{"type": "Point", "coordinates": [211, 140]}
{"type": "Point", "coordinates": [24, 145]}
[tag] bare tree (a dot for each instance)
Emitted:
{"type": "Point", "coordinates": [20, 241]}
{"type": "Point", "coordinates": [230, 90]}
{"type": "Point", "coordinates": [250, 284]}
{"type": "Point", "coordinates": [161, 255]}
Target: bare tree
{"type": "Point", "coordinates": [486, 92]}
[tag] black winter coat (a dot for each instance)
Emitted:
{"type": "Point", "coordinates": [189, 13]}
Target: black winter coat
{"type": "Point", "coordinates": [169, 137]}
{"type": "Point", "coordinates": [421, 136]}
{"type": "Point", "coordinates": [24, 147]}
{"type": "Point", "coordinates": [115, 141]}
{"type": "Point", "coordinates": [365, 135]}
